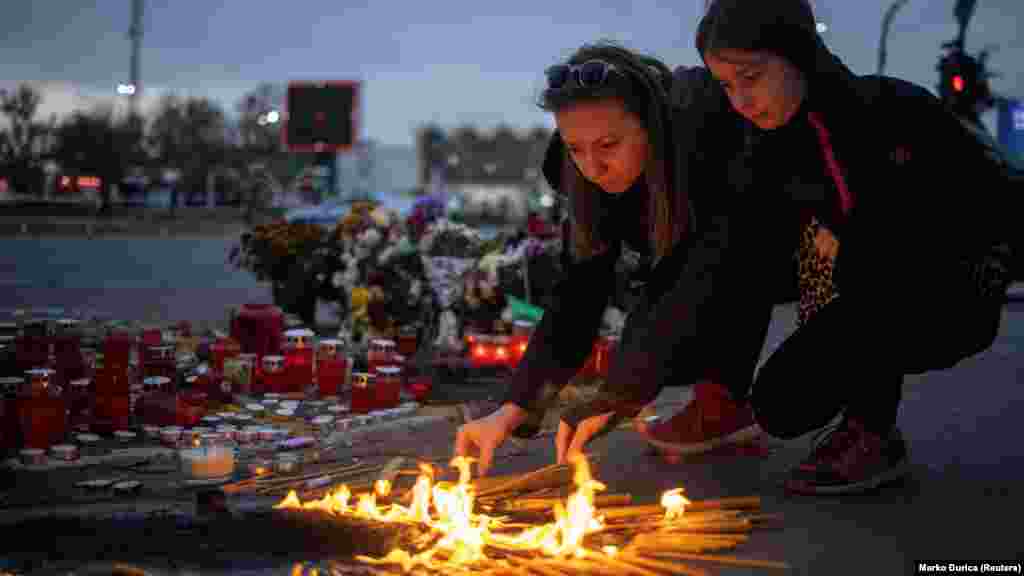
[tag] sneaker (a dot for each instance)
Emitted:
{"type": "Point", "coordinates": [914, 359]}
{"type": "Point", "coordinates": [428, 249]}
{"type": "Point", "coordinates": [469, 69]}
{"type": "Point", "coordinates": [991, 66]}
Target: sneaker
{"type": "Point", "coordinates": [711, 420]}
{"type": "Point", "coordinates": [849, 459]}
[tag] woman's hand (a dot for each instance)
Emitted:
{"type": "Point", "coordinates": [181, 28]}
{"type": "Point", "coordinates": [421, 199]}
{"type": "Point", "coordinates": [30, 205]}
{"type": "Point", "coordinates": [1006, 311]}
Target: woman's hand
{"type": "Point", "coordinates": [481, 437]}
{"type": "Point", "coordinates": [826, 244]}
{"type": "Point", "coordinates": [570, 442]}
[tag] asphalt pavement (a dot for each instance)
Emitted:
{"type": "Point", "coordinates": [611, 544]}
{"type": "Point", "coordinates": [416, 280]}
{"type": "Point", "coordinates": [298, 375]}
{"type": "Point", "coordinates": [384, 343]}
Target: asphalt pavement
{"type": "Point", "coordinates": [962, 501]}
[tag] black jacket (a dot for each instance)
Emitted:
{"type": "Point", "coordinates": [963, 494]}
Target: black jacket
{"type": "Point", "coordinates": [660, 343]}
{"type": "Point", "coordinates": [929, 195]}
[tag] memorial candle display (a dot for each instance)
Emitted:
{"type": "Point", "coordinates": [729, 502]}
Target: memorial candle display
{"type": "Point", "coordinates": [159, 360]}
{"type": "Point", "coordinates": [380, 353]}
{"type": "Point", "coordinates": [274, 375]}
{"type": "Point", "coordinates": [222, 349]}
{"type": "Point", "coordinates": [388, 387]}
{"type": "Point", "coordinates": [363, 399]}
{"type": "Point", "coordinates": [331, 367]}
{"type": "Point", "coordinates": [299, 358]}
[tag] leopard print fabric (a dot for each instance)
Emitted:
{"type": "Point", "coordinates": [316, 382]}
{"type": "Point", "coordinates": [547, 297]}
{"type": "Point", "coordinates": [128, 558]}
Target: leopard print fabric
{"type": "Point", "coordinates": [816, 275]}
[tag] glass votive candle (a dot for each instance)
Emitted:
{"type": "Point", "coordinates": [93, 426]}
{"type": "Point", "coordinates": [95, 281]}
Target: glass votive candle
{"type": "Point", "coordinates": [221, 350]}
{"type": "Point", "coordinates": [522, 331]}
{"type": "Point", "coordinates": [299, 355]}
{"type": "Point", "coordinates": [503, 351]}
{"type": "Point", "coordinates": [388, 387]}
{"type": "Point", "coordinates": [78, 400]}
{"type": "Point", "coordinates": [37, 381]}
{"type": "Point", "coordinates": [407, 341]}
{"type": "Point", "coordinates": [274, 375]}
{"type": "Point", "coordinates": [159, 361]}
{"type": "Point", "coordinates": [380, 353]}
{"type": "Point", "coordinates": [331, 367]}
{"type": "Point", "coordinates": [605, 348]}
{"type": "Point", "coordinates": [363, 400]}
{"type": "Point", "coordinates": [117, 350]}
{"type": "Point", "coordinates": [299, 338]}
{"type": "Point", "coordinates": [170, 435]}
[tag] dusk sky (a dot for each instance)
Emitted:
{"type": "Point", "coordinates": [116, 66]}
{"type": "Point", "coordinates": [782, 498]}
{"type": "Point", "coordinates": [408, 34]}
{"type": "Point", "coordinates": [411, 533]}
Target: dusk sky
{"type": "Point", "coordinates": [451, 62]}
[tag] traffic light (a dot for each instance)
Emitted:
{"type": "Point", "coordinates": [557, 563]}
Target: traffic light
{"type": "Point", "coordinates": [322, 116]}
{"type": "Point", "coordinates": [963, 84]}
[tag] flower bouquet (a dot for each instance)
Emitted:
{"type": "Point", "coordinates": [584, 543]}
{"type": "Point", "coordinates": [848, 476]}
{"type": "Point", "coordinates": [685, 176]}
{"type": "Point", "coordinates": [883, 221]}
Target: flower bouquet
{"type": "Point", "coordinates": [448, 250]}
{"type": "Point", "coordinates": [287, 255]}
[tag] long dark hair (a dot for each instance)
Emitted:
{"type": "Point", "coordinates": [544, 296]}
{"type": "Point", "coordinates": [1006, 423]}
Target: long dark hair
{"type": "Point", "coordinates": [780, 26]}
{"type": "Point", "coordinates": [787, 28]}
{"type": "Point", "coordinates": [644, 91]}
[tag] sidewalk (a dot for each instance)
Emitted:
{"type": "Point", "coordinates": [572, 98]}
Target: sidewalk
{"type": "Point", "coordinates": [962, 426]}
{"type": "Point", "coordinates": [75, 221]}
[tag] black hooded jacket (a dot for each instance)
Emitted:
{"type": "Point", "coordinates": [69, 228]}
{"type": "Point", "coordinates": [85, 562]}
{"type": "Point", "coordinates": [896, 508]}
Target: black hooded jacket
{"type": "Point", "coordinates": [660, 343]}
{"type": "Point", "coordinates": [928, 196]}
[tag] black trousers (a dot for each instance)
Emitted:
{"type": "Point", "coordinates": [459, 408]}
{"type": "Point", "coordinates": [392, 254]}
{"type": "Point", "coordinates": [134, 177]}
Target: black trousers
{"type": "Point", "coordinates": [852, 355]}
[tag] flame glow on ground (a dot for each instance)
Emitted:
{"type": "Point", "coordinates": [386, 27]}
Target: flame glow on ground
{"type": "Point", "coordinates": [463, 535]}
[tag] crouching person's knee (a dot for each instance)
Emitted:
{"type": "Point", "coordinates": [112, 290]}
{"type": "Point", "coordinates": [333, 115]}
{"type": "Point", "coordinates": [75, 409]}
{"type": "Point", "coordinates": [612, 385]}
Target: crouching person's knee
{"type": "Point", "coordinates": [776, 410]}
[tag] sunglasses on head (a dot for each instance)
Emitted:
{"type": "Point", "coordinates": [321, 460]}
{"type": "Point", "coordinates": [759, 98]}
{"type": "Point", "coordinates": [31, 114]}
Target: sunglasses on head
{"type": "Point", "coordinates": [590, 74]}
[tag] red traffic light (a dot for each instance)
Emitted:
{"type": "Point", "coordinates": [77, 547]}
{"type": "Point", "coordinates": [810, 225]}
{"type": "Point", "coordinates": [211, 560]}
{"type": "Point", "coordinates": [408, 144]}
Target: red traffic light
{"type": "Point", "coordinates": [958, 83]}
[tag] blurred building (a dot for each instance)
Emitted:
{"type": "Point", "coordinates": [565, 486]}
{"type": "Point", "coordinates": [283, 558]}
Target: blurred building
{"type": "Point", "coordinates": [1011, 127]}
{"type": "Point", "coordinates": [495, 174]}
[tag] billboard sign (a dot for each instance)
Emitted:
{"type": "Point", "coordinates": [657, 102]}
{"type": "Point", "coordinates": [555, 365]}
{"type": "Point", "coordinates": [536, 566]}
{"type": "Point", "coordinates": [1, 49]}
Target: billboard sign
{"type": "Point", "coordinates": [322, 116]}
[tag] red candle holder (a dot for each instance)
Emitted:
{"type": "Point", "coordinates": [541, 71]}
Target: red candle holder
{"type": "Point", "coordinates": [388, 387]}
{"type": "Point", "coordinates": [258, 327]}
{"type": "Point", "coordinates": [222, 349]}
{"type": "Point", "coordinates": [159, 361]}
{"type": "Point", "coordinates": [522, 331]}
{"type": "Point", "coordinates": [504, 352]}
{"type": "Point", "coordinates": [67, 351]}
{"type": "Point", "coordinates": [408, 341]}
{"type": "Point", "coordinates": [363, 395]}
{"type": "Point", "coordinates": [32, 351]}
{"type": "Point", "coordinates": [299, 364]}
{"type": "Point", "coordinates": [111, 381]}
{"type": "Point", "coordinates": [274, 375]}
{"type": "Point", "coordinates": [43, 421]}
{"type": "Point", "coordinates": [605, 348]}
{"type": "Point", "coordinates": [38, 382]}
{"type": "Point", "coordinates": [487, 350]}
{"type": "Point", "coordinates": [117, 350]}
{"type": "Point", "coordinates": [381, 352]}
{"type": "Point", "coordinates": [79, 400]}
{"type": "Point", "coordinates": [240, 371]}
{"type": "Point", "coordinates": [10, 427]}
{"type": "Point", "coordinates": [152, 336]}
{"type": "Point", "coordinates": [420, 386]}
{"type": "Point", "coordinates": [111, 413]}
{"type": "Point", "coordinates": [331, 367]}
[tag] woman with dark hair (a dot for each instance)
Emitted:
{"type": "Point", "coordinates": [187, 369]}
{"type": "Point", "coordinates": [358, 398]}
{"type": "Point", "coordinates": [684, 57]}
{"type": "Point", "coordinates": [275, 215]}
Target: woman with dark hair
{"type": "Point", "coordinates": [629, 155]}
{"type": "Point", "coordinates": [865, 180]}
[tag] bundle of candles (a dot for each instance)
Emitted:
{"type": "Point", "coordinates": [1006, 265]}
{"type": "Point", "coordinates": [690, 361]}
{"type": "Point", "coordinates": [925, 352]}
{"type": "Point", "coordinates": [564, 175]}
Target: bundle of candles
{"type": "Point", "coordinates": [523, 525]}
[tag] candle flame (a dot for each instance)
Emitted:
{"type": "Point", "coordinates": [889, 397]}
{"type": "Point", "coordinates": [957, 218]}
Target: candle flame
{"type": "Point", "coordinates": [674, 503]}
{"type": "Point", "coordinates": [447, 509]}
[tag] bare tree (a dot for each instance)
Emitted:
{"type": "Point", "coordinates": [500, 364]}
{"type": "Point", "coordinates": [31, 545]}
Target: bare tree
{"type": "Point", "coordinates": [190, 135]}
{"type": "Point", "coordinates": [97, 143]}
{"type": "Point", "coordinates": [24, 141]}
{"type": "Point", "coordinates": [886, 24]}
